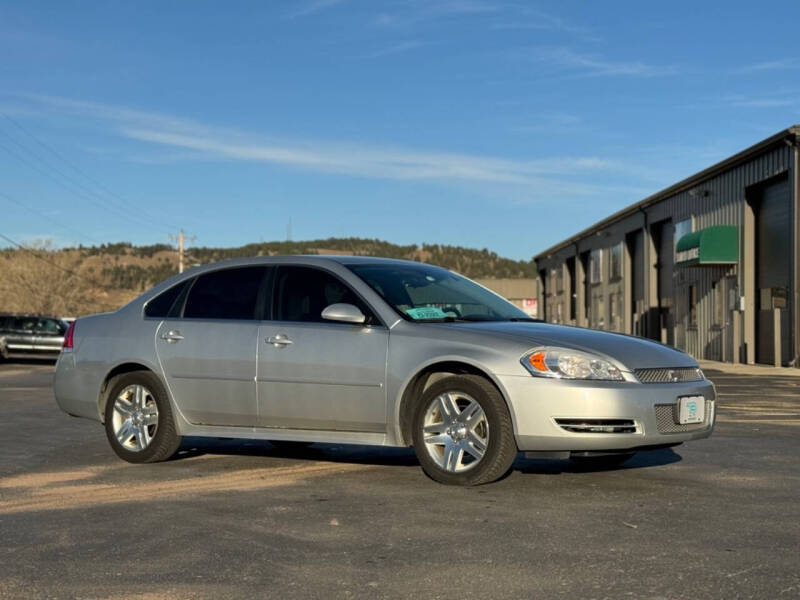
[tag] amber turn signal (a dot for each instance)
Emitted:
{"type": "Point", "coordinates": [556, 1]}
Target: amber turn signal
{"type": "Point", "coordinates": [536, 360]}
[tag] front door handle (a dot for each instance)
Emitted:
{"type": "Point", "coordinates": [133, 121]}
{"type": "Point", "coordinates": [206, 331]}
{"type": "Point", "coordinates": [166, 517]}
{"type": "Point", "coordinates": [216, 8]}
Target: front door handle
{"type": "Point", "coordinates": [172, 337]}
{"type": "Point", "coordinates": [279, 341]}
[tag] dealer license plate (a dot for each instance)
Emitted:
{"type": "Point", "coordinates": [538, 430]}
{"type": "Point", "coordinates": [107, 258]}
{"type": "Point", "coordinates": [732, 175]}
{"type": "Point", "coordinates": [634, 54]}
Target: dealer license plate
{"type": "Point", "coordinates": [691, 409]}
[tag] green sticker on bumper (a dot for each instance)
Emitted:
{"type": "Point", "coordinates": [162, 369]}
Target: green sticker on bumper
{"type": "Point", "coordinates": [426, 312]}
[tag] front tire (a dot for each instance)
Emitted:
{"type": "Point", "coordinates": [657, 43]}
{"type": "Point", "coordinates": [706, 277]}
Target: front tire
{"type": "Point", "coordinates": [138, 418]}
{"type": "Point", "coordinates": [462, 431]}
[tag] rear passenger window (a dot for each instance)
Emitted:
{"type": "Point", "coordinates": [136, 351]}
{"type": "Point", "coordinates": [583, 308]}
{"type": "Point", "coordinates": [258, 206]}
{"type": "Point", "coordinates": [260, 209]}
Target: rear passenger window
{"type": "Point", "coordinates": [163, 305]}
{"type": "Point", "coordinates": [49, 327]}
{"type": "Point", "coordinates": [225, 294]}
{"type": "Point", "coordinates": [302, 293]}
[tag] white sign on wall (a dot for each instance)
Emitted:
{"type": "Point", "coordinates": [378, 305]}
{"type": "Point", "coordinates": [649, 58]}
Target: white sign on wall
{"type": "Point", "coordinates": [530, 306]}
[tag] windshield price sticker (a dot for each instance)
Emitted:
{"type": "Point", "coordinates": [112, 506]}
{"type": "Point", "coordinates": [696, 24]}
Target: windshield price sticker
{"type": "Point", "coordinates": [426, 312]}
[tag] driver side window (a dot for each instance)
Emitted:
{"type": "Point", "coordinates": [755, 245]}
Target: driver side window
{"type": "Point", "coordinates": [302, 293]}
{"type": "Point", "coordinates": [24, 323]}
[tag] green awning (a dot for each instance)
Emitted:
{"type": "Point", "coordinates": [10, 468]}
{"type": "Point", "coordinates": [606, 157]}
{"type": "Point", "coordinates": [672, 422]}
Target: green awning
{"type": "Point", "coordinates": [717, 245]}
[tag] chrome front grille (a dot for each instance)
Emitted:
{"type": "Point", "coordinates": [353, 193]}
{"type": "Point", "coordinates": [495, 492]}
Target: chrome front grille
{"type": "Point", "coordinates": [667, 418]}
{"type": "Point", "coordinates": [598, 425]}
{"type": "Point", "coordinates": [666, 375]}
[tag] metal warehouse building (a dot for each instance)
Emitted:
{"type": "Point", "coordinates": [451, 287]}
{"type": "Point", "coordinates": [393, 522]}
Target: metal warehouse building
{"type": "Point", "coordinates": [709, 265]}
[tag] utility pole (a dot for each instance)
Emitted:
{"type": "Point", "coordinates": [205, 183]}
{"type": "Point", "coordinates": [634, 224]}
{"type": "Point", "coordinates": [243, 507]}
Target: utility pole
{"type": "Point", "coordinates": [181, 239]}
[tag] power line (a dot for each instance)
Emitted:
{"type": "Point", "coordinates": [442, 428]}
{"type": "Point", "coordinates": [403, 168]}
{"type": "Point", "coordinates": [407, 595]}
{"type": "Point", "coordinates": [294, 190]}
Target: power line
{"type": "Point", "coordinates": [33, 252]}
{"type": "Point", "coordinates": [72, 186]}
{"type": "Point", "coordinates": [80, 171]}
{"type": "Point", "coordinates": [101, 203]}
{"type": "Point", "coordinates": [106, 202]}
{"type": "Point", "coordinates": [49, 218]}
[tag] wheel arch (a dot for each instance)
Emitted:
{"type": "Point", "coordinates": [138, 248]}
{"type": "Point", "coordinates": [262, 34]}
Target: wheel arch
{"type": "Point", "coordinates": [431, 372]}
{"type": "Point", "coordinates": [107, 384]}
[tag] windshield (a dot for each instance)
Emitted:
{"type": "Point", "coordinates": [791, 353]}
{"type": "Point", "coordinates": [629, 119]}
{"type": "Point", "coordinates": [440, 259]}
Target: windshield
{"type": "Point", "coordinates": [433, 294]}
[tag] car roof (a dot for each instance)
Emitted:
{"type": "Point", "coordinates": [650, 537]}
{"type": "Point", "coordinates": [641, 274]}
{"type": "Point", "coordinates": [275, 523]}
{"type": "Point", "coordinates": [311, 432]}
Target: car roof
{"type": "Point", "coordinates": [371, 260]}
{"type": "Point", "coordinates": [308, 259]}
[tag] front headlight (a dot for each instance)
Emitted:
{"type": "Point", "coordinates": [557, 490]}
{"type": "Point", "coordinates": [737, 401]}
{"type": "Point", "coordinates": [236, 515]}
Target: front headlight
{"type": "Point", "coordinates": [563, 363]}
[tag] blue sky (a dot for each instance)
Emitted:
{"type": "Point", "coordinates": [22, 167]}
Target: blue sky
{"type": "Point", "coordinates": [506, 125]}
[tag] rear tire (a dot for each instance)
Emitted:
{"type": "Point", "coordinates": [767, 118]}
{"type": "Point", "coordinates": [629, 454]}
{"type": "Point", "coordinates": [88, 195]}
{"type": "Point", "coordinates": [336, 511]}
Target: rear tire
{"type": "Point", "coordinates": [138, 419]}
{"type": "Point", "coordinates": [462, 431]}
{"type": "Point", "coordinates": [601, 463]}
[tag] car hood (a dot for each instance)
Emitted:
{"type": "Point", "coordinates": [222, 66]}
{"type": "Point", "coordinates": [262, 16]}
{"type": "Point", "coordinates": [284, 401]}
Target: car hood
{"type": "Point", "coordinates": [632, 352]}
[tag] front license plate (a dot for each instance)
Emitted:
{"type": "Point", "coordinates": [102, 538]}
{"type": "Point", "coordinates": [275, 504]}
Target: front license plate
{"type": "Point", "coordinates": [691, 409]}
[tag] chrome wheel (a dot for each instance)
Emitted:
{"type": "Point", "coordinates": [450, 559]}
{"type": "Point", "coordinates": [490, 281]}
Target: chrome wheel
{"type": "Point", "coordinates": [135, 418]}
{"type": "Point", "coordinates": [455, 431]}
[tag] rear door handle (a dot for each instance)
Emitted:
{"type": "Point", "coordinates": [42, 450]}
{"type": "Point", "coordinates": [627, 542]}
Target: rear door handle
{"type": "Point", "coordinates": [279, 341]}
{"type": "Point", "coordinates": [172, 337]}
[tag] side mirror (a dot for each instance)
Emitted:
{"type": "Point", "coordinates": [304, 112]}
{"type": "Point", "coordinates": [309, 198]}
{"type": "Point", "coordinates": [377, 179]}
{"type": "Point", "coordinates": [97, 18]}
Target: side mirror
{"type": "Point", "coordinates": [344, 313]}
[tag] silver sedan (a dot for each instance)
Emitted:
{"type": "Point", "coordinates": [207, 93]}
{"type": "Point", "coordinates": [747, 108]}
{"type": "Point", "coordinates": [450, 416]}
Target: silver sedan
{"type": "Point", "coordinates": [299, 349]}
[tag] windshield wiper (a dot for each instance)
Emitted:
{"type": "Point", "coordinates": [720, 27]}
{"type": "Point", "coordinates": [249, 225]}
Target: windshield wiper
{"type": "Point", "coordinates": [436, 320]}
{"type": "Point", "coordinates": [477, 319]}
{"type": "Point", "coordinates": [464, 319]}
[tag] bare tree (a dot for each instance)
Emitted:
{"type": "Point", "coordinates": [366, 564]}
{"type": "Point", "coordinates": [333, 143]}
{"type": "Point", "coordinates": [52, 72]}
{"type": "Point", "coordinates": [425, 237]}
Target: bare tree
{"type": "Point", "coordinates": [42, 280]}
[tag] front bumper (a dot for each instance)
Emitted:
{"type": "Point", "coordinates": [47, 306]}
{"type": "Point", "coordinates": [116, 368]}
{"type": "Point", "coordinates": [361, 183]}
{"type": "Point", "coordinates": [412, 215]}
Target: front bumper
{"type": "Point", "coordinates": [540, 407]}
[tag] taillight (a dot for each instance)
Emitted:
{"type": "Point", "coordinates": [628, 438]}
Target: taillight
{"type": "Point", "coordinates": [68, 337]}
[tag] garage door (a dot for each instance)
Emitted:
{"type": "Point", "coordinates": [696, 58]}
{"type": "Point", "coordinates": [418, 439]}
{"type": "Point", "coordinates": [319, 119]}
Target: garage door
{"type": "Point", "coordinates": [773, 275]}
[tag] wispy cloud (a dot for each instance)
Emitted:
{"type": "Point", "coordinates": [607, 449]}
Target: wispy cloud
{"type": "Point", "coordinates": [596, 66]}
{"type": "Point", "coordinates": [526, 17]}
{"type": "Point", "coordinates": [200, 141]}
{"type": "Point", "coordinates": [550, 123]}
{"type": "Point", "coordinates": [494, 15]}
{"type": "Point", "coordinates": [398, 48]}
{"type": "Point", "coordinates": [372, 161]}
{"type": "Point", "coordinates": [36, 103]}
{"type": "Point", "coordinates": [771, 65]}
{"type": "Point", "coordinates": [14, 110]}
{"type": "Point", "coordinates": [416, 11]}
{"type": "Point", "coordinates": [764, 101]}
{"type": "Point", "coordinates": [313, 7]}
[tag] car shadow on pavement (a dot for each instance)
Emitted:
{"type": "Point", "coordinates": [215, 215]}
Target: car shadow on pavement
{"type": "Point", "coordinates": [30, 360]}
{"type": "Point", "coordinates": [340, 453]}
{"type": "Point", "coordinates": [650, 458]}
{"type": "Point", "coordinates": [391, 456]}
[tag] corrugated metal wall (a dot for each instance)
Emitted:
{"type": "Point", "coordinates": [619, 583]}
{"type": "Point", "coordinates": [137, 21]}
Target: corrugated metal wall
{"type": "Point", "coordinates": [719, 200]}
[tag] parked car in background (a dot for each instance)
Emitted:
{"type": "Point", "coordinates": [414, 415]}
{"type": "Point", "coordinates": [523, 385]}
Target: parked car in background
{"type": "Point", "coordinates": [301, 349]}
{"type": "Point", "coordinates": [31, 335]}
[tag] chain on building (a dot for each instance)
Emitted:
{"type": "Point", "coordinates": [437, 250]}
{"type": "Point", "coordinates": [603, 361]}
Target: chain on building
{"type": "Point", "coordinates": [709, 265]}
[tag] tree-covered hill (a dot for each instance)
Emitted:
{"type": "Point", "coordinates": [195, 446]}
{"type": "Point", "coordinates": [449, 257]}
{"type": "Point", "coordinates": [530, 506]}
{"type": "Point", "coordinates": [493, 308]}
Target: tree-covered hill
{"type": "Point", "coordinates": [160, 258]}
{"type": "Point", "coordinates": [104, 277]}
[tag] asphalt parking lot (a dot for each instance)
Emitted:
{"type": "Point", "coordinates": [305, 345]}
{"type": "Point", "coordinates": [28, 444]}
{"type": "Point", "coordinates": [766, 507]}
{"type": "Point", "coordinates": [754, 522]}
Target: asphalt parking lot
{"type": "Point", "coordinates": [717, 518]}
